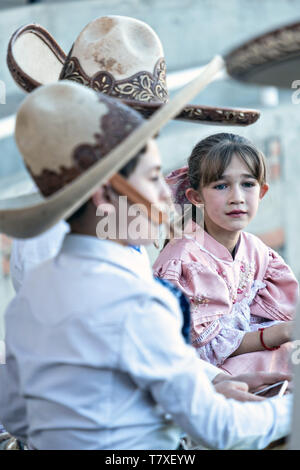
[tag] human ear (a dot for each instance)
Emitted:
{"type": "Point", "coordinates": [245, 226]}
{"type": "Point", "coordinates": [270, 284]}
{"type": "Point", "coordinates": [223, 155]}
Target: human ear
{"type": "Point", "coordinates": [103, 202]}
{"type": "Point", "coordinates": [101, 196]}
{"type": "Point", "coordinates": [263, 190]}
{"type": "Point", "coordinates": [194, 196]}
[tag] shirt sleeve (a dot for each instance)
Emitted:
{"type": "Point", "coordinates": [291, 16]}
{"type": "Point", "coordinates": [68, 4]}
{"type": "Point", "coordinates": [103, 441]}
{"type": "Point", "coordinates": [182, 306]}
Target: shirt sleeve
{"type": "Point", "coordinates": [211, 371]}
{"type": "Point", "coordinates": [221, 346]}
{"type": "Point", "coordinates": [12, 404]}
{"type": "Point", "coordinates": [29, 253]}
{"type": "Point", "coordinates": [15, 269]}
{"type": "Point", "coordinates": [2, 352]}
{"type": "Point", "coordinates": [277, 301]}
{"type": "Point", "coordinates": [173, 374]}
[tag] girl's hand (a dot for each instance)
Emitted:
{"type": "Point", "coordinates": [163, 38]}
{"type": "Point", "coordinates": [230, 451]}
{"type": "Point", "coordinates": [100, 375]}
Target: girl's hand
{"type": "Point", "coordinates": [255, 381]}
{"type": "Point", "coordinates": [278, 334]}
{"type": "Point", "coordinates": [236, 390]}
{"type": "Point", "coordinates": [258, 380]}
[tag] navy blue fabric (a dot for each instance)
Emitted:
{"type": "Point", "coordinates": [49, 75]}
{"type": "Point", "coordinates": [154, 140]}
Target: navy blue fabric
{"type": "Point", "coordinates": [184, 305]}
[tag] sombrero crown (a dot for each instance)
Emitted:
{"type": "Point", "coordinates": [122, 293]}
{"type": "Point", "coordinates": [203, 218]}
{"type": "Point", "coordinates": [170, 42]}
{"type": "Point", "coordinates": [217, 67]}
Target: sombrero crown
{"type": "Point", "coordinates": [63, 129]}
{"type": "Point", "coordinates": [117, 55]}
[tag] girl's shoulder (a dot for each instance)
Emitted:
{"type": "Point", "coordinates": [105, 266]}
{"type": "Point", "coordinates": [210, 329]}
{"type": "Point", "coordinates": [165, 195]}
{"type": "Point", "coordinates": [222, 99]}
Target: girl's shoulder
{"type": "Point", "coordinates": [258, 250]}
{"type": "Point", "coordinates": [183, 250]}
{"type": "Point", "coordinates": [254, 243]}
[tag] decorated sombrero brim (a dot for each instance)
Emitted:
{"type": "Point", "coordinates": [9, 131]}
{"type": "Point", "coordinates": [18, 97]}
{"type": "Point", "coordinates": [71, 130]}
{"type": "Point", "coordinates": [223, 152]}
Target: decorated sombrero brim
{"type": "Point", "coordinates": [270, 59]}
{"type": "Point", "coordinates": [34, 58]}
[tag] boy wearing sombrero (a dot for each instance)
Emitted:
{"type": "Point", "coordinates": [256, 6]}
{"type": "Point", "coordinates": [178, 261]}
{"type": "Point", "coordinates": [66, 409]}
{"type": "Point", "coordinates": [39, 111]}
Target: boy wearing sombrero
{"type": "Point", "coordinates": [95, 354]}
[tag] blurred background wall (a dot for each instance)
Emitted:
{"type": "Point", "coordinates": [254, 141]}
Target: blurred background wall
{"type": "Point", "coordinates": [192, 32]}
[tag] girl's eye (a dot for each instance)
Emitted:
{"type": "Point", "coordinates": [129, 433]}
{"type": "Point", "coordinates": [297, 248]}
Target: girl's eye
{"type": "Point", "coordinates": [249, 184]}
{"type": "Point", "coordinates": [220, 186]}
{"type": "Point", "coordinates": [154, 179]}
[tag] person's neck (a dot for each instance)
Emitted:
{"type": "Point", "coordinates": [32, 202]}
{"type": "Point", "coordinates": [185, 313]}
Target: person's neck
{"type": "Point", "coordinates": [92, 233]}
{"type": "Point", "coordinates": [228, 239]}
{"type": "Point", "coordinates": [86, 224]}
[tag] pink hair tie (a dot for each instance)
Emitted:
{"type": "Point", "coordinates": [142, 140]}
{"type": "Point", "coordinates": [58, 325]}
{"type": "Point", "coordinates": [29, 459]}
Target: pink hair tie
{"type": "Point", "coordinates": [178, 182]}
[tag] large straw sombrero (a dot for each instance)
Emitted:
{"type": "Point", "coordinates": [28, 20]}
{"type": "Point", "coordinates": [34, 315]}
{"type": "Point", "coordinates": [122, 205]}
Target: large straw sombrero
{"type": "Point", "coordinates": [117, 55]}
{"type": "Point", "coordinates": [62, 131]}
{"type": "Point", "coordinates": [63, 134]}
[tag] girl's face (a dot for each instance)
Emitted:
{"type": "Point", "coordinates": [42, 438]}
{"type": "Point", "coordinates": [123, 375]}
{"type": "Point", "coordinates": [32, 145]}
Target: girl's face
{"type": "Point", "coordinates": [231, 202]}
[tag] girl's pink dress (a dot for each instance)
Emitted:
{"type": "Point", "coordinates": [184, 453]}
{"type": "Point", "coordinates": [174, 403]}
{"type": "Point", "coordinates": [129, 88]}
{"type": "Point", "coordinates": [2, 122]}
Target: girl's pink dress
{"type": "Point", "coordinates": [230, 297]}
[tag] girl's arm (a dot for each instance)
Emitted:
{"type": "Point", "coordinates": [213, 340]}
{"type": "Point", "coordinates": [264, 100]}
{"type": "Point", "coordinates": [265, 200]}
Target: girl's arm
{"type": "Point", "coordinates": [273, 336]}
{"type": "Point", "coordinates": [277, 301]}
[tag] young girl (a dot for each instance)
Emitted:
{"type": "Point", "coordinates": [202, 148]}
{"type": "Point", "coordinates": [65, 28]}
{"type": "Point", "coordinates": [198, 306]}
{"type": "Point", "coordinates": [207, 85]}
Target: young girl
{"type": "Point", "coordinates": [242, 294]}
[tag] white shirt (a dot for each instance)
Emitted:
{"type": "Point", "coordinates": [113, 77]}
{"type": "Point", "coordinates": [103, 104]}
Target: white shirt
{"type": "Point", "coordinates": [29, 253]}
{"type": "Point", "coordinates": [96, 360]}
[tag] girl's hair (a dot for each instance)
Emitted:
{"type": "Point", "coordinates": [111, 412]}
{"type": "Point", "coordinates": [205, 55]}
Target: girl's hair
{"type": "Point", "coordinates": [212, 155]}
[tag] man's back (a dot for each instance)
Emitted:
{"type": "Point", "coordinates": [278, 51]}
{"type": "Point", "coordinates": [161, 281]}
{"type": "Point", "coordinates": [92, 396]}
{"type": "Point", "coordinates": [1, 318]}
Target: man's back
{"type": "Point", "coordinates": [69, 336]}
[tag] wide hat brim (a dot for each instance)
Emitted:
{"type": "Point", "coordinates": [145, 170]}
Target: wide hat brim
{"type": "Point", "coordinates": [30, 73]}
{"type": "Point", "coordinates": [28, 216]}
{"type": "Point", "coordinates": [270, 59]}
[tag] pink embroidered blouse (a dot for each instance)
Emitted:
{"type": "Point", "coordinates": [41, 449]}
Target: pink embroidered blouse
{"type": "Point", "coordinates": [230, 297]}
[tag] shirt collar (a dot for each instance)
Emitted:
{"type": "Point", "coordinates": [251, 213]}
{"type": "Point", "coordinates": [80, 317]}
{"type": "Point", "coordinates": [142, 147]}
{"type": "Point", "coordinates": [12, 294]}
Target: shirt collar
{"type": "Point", "coordinates": [125, 257]}
{"type": "Point", "coordinates": [206, 241]}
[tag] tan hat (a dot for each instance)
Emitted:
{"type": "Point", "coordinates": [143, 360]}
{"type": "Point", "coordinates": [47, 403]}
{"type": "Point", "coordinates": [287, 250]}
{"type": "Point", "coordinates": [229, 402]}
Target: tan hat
{"type": "Point", "coordinates": [63, 131]}
{"type": "Point", "coordinates": [117, 55]}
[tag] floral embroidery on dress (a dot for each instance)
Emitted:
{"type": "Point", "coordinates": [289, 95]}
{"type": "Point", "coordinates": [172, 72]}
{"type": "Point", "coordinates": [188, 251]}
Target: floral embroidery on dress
{"type": "Point", "coordinates": [231, 290]}
{"type": "Point", "coordinates": [247, 271]}
{"type": "Point", "coordinates": [200, 300]}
